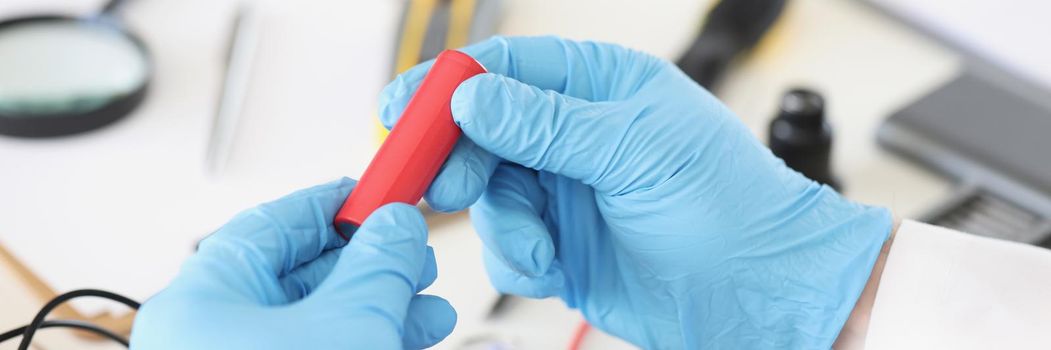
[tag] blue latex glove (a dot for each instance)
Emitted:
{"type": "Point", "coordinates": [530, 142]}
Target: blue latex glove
{"type": "Point", "coordinates": [279, 277]}
{"type": "Point", "coordinates": [607, 177]}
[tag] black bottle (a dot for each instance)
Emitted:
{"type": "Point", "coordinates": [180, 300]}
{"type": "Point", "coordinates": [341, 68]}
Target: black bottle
{"type": "Point", "coordinates": [802, 138]}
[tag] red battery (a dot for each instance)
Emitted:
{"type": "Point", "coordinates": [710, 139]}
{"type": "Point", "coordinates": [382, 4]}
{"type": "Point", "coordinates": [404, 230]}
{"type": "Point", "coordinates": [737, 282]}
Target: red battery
{"type": "Point", "coordinates": [411, 155]}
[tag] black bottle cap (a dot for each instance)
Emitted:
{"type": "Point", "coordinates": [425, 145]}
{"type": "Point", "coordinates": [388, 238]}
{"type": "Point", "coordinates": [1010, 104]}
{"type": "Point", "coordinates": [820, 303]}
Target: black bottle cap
{"type": "Point", "coordinates": [803, 107]}
{"type": "Point", "coordinates": [800, 136]}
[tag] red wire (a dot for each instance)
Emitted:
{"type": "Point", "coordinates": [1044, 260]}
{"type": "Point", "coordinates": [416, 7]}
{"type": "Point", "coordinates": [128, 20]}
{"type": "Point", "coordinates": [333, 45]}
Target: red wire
{"type": "Point", "coordinates": [578, 335]}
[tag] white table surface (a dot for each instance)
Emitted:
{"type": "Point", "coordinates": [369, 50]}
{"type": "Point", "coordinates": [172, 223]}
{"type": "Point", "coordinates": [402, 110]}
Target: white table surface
{"type": "Point", "coordinates": [866, 65]}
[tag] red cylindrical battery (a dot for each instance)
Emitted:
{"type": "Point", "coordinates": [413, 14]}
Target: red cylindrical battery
{"type": "Point", "coordinates": [411, 155]}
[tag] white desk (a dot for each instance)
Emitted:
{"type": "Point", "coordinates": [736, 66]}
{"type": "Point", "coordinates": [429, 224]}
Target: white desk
{"type": "Point", "coordinates": [864, 64]}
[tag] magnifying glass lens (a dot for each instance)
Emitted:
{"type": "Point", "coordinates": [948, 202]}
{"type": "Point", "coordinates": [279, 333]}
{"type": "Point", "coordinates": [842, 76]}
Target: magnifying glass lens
{"type": "Point", "coordinates": [55, 68]}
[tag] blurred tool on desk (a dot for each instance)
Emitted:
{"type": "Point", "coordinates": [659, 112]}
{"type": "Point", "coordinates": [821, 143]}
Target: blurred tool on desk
{"type": "Point", "coordinates": [244, 41]}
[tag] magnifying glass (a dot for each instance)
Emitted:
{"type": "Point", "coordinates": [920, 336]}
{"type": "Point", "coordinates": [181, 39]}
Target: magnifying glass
{"type": "Point", "coordinates": [62, 75]}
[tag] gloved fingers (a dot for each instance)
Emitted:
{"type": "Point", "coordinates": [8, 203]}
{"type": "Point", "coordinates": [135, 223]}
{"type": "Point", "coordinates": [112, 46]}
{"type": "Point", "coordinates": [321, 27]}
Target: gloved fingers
{"type": "Point", "coordinates": [281, 235]}
{"type": "Point", "coordinates": [379, 271]}
{"type": "Point", "coordinates": [582, 69]}
{"type": "Point", "coordinates": [462, 177]}
{"type": "Point", "coordinates": [544, 130]}
{"type": "Point", "coordinates": [429, 320]}
{"type": "Point", "coordinates": [430, 271]}
{"type": "Point", "coordinates": [304, 279]}
{"type": "Point", "coordinates": [396, 95]}
{"type": "Point", "coordinates": [506, 280]}
{"type": "Point", "coordinates": [507, 219]}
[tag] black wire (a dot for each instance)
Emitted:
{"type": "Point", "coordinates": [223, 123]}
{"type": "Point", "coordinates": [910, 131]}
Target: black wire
{"type": "Point", "coordinates": [87, 326]}
{"type": "Point", "coordinates": [27, 334]}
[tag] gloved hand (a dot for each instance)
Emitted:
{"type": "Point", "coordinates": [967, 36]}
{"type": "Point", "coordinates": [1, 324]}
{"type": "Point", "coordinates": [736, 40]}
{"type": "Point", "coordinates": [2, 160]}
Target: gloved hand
{"type": "Point", "coordinates": [279, 277]}
{"type": "Point", "coordinates": [607, 177]}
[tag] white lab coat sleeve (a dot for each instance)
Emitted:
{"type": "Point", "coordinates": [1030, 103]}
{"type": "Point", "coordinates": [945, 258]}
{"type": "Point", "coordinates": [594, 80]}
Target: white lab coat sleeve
{"type": "Point", "coordinates": [943, 289]}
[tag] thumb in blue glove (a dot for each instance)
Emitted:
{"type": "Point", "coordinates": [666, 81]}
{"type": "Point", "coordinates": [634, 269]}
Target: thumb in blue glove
{"type": "Point", "coordinates": [279, 277]}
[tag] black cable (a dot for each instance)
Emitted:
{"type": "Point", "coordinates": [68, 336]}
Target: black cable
{"type": "Point", "coordinates": [27, 334]}
{"type": "Point", "coordinates": [87, 326]}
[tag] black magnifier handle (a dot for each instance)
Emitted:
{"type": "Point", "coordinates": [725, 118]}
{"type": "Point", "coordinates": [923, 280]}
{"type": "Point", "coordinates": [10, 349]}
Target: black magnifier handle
{"type": "Point", "coordinates": [731, 28]}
